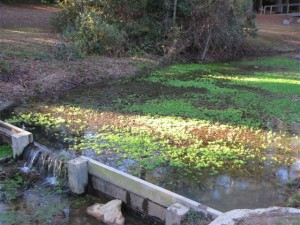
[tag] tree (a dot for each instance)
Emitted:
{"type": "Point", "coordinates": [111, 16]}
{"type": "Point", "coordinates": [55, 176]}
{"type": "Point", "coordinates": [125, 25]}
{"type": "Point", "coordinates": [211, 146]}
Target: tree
{"type": "Point", "coordinates": [173, 28]}
{"type": "Point", "coordinates": [215, 27]}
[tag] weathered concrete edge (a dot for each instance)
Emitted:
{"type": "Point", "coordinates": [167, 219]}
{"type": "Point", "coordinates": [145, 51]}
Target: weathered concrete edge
{"type": "Point", "coordinates": [19, 137]}
{"type": "Point", "coordinates": [145, 189]}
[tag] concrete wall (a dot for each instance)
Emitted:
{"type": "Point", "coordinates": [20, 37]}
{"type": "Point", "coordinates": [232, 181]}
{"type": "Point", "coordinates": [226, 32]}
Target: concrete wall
{"type": "Point", "coordinates": [17, 138]}
{"type": "Point", "coordinates": [136, 193]}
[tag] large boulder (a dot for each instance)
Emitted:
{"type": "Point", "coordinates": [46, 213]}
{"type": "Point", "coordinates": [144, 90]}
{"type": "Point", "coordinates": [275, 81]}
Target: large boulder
{"type": "Point", "coordinates": [267, 216]}
{"type": "Point", "coordinates": [110, 213]}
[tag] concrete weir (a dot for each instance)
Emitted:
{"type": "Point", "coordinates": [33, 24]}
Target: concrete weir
{"type": "Point", "coordinates": [16, 137]}
{"type": "Point", "coordinates": [141, 195]}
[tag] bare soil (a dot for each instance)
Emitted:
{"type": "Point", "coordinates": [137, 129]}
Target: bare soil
{"type": "Point", "coordinates": [28, 65]}
{"type": "Point", "coordinates": [276, 36]}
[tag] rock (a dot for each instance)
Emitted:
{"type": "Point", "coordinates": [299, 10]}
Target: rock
{"type": "Point", "coordinates": [267, 216]}
{"type": "Point", "coordinates": [277, 124]}
{"type": "Point", "coordinates": [297, 56]}
{"type": "Point", "coordinates": [110, 213]}
{"type": "Point", "coordinates": [295, 128]}
{"type": "Point", "coordinates": [298, 20]}
{"type": "Point", "coordinates": [286, 22]}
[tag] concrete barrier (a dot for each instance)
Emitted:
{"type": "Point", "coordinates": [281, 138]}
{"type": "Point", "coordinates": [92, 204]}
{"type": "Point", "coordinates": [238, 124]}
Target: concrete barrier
{"type": "Point", "coordinates": [17, 138]}
{"type": "Point", "coordinates": [136, 193]}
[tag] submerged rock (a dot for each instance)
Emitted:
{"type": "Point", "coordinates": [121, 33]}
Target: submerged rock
{"type": "Point", "coordinates": [295, 128]}
{"type": "Point", "coordinates": [266, 216]}
{"type": "Point", "coordinates": [110, 213]}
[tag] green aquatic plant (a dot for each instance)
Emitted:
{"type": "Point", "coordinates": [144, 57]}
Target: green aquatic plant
{"type": "Point", "coordinates": [199, 118]}
{"type": "Point", "coordinates": [196, 151]}
{"type": "Point", "coordinates": [5, 151]}
{"type": "Point", "coordinates": [11, 186]}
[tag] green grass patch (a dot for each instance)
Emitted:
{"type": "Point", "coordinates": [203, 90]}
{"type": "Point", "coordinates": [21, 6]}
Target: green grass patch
{"type": "Point", "coordinates": [237, 95]}
{"type": "Point", "coordinates": [5, 67]}
{"type": "Point", "coordinates": [5, 151]}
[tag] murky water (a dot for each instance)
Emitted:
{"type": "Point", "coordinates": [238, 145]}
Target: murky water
{"type": "Point", "coordinates": [47, 199]}
{"type": "Point", "coordinates": [222, 192]}
{"type": "Point", "coordinates": [44, 204]}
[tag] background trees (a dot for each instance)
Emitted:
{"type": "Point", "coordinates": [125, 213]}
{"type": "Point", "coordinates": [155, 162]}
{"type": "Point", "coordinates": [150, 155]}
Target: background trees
{"type": "Point", "coordinates": [174, 28]}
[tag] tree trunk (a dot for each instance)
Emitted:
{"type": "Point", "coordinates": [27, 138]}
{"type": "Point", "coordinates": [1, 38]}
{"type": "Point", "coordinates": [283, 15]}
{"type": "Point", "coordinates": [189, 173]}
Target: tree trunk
{"type": "Point", "coordinates": [206, 47]}
{"type": "Point", "coordinates": [278, 2]}
{"type": "Point", "coordinates": [174, 13]}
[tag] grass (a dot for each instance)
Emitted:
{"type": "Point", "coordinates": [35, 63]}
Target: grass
{"type": "Point", "coordinates": [24, 43]}
{"type": "Point", "coordinates": [5, 151]}
{"type": "Point", "coordinates": [235, 96]}
{"type": "Point", "coordinates": [202, 118]}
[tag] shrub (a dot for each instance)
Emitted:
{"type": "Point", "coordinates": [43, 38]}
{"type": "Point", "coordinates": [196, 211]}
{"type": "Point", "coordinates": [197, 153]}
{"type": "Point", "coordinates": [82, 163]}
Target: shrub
{"type": "Point", "coordinates": [94, 35]}
{"type": "Point", "coordinates": [67, 51]}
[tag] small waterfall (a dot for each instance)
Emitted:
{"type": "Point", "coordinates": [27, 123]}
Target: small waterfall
{"type": "Point", "coordinates": [39, 158]}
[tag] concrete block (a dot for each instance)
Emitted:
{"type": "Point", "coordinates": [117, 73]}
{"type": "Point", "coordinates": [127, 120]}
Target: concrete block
{"type": "Point", "coordinates": [145, 189]}
{"type": "Point", "coordinates": [19, 143]}
{"type": "Point", "coordinates": [16, 137]}
{"type": "Point", "coordinates": [149, 192]}
{"type": "Point", "coordinates": [109, 189]}
{"type": "Point", "coordinates": [156, 210]}
{"type": "Point", "coordinates": [78, 175]}
{"type": "Point", "coordinates": [135, 201]}
{"type": "Point", "coordinates": [175, 214]}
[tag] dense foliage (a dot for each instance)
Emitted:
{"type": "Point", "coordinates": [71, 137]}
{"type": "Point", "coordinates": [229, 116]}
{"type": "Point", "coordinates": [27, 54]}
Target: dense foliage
{"type": "Point", "coordinates": [169, 27]}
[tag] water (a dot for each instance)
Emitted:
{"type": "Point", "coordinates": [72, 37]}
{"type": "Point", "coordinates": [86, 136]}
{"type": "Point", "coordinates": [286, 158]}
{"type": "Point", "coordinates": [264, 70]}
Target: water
{"type": "Point", "coordinates": [40, 159]}
{"type": "Point", "coordinates": [46, 198]}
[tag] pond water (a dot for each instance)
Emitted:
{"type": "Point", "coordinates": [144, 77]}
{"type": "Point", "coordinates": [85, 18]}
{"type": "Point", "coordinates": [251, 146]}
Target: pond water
{"type": "Point", "coordinates": [46, 199]}
{"type": "Point", "coordinates": [223, 191]}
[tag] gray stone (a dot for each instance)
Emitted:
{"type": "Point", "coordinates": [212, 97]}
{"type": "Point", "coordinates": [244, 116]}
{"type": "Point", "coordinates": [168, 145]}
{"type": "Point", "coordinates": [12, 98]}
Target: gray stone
{"type": "Point", "coordinates": [176, 214]}
{"type": "Point", "coordinates": [286, 22]}
{"type": "Point", "coordinates": [78, 175]}
{"type": "Point", "coordinates": [266, 216]}
{"type": "Point", "coordinates": [295, 128]}
{"type": "Point", "coordinates": [297, 56]}
{"type": "Point", "coordinates": [110, 213]}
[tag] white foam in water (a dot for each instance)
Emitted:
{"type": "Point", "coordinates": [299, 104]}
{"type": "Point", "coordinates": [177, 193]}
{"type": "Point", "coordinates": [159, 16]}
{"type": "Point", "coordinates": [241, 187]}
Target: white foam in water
{"type": "Point", "coordinates": [25, 169]}
{"type": "Point", "coordinates": [51, 180]}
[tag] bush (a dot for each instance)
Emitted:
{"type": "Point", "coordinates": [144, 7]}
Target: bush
{"type": "Point", "coordinates": [93, 35]}
{"type": "Point", "coordinates": [67, 51]}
